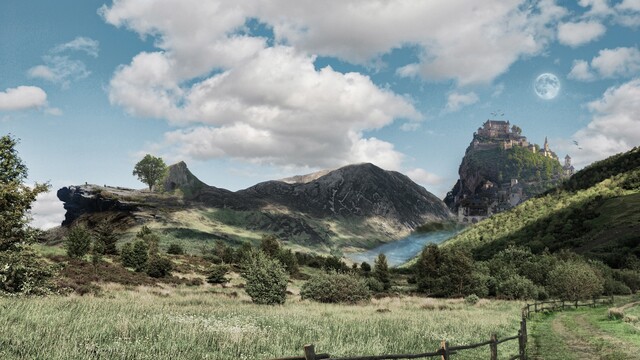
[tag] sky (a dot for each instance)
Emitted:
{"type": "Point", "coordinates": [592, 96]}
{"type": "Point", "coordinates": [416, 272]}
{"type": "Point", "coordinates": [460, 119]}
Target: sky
{"type": "Point", "coordinates": [249, 91]}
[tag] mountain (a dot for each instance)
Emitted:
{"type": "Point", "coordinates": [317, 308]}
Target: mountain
{"type": "Point", "coordinates": [501, 169]}
{"type": "Point", "coordinates": [356, 206]}
{"type": "Point", "coordinates": [596, 213]}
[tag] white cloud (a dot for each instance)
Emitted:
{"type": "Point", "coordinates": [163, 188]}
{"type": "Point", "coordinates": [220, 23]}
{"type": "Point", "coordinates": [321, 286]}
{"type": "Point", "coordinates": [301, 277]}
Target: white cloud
{"type": "Point", "coordinates": [581, 71]}
{"type": "Point", "coordinates": [277, 108]}
{"type": "Point", "coordinates": [614, 128]}
{"type": "Point", "coordinates": [610, 63]}
{"type": "Point", "coordinates": [424, 177]}
{"type": "Point", "coordinates": [410, 126]}
{"type": "Point", "coordinates": [456, 101]}
{"type": "Point", "coordinates": [62, 69]}
{"type": "Point", "coordinates": [625, 13]}
{"type": "Point", "coordinates": [575, 34]}
{"type": "Point", "coordinates": [53, 111]}
{"type": "Point", "coordinates": [22, 97]}
{"type": "Point", "coordinates": [84, 44]}
{"type": "Point", "coordinates": [47, 211]}
{"type": "Point", "coordinates": [470, 44]}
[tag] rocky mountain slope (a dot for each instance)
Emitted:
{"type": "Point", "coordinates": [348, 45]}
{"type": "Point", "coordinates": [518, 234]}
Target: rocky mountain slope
{"type": "Point", "coordinates": [596, 212]}
{"type": "Point", "coordinates": [355, 206]}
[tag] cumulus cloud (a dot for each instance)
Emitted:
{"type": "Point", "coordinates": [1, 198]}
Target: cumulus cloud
{"type": "Point", "coordinates": [615, 126]}
{"type": "Point", "coordinates": [62, 69]}
{"type": "Point", "coordinates": [47, 211]}
{"type": "Point", "coordinates": [424, 177]}
{"type": "Point", "coordinates": [625, 13]}
{"type": "Point", "coordinates": [575, 34]}
{"type": "Point", "coordinates": [22, 97]}
{"type": "Point", "coordinates": [609, 63]}
{"type": "Point", "coordinates": [456, 101]}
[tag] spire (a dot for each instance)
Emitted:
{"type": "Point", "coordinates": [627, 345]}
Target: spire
{"type": "Point", "coordinates": [546, 144]}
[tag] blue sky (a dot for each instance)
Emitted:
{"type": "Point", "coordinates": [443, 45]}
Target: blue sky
{"type": "Point", "coordinates": [256, 90]}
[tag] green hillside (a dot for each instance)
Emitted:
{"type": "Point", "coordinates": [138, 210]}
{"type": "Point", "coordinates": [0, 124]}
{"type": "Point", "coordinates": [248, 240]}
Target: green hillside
{"type": "Point", "coordinates": [595, 213]}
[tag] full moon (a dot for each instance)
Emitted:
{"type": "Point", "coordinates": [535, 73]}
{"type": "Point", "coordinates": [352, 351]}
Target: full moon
{"type": "Point", "coordinates": [547, 86]}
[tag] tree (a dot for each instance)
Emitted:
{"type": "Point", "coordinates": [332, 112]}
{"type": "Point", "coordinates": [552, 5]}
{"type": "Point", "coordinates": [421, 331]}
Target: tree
{"type": "Point", "coordinates": [575, 280]}
{"type": "Point", "coordinates": [266, 280]}
{"type": "Point", "coordinates": [381, 271]}
{"type": "Point", "coordinates": [78, 242]}
{"type": "Point", "coordinates": [21, 270]}
{"type": "Point", "coordinates": [104, 235]}
{"type": "Point", "coordinates": [150, 170]}
{"type": "Point", "coordinates": [16, 198]}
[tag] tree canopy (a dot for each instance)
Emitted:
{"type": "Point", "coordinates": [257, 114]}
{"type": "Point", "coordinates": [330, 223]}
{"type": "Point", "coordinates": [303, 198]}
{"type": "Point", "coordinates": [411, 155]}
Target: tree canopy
{"type": "Point", "coordinates": [150, 170]}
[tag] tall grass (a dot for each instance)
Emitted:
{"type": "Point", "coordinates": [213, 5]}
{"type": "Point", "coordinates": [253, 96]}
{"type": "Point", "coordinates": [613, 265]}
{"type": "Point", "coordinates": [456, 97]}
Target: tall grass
{"type": "Point", "coordinates": [215, 323]}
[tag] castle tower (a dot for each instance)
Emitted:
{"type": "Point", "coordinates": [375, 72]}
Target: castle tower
{"type": "Point", "coordinates": [546, 145]}
{"type": "Point", "coordinates": [567, 161]}
{"type": "Point", "coordinates": [568, 169]}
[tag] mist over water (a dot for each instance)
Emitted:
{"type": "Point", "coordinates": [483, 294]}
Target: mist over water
{"type": "Point", "coordinates": [401, 251]}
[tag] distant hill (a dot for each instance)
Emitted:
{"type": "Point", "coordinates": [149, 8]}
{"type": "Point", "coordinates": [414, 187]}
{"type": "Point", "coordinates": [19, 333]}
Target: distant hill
{"type": "Point", "coordinates": [596, 213]}
{"type": "Point", "coordinates": [499, 170]}
{"type": "Point", "coordinates": [356, 206]}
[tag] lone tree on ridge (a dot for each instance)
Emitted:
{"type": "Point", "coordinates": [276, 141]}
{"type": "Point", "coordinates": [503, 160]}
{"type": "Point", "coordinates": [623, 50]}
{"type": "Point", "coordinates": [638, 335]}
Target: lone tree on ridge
{"type": "Point", "coordinates": [150, 170]}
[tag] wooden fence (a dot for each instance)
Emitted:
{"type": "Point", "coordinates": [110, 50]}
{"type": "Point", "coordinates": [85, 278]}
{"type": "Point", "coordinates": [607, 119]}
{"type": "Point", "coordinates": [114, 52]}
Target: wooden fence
{"type": "Point", "coordinates": [445, 351]}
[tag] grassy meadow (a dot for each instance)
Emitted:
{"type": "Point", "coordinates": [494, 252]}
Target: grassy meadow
{"type": "Point", "coordinates": [211, 322]}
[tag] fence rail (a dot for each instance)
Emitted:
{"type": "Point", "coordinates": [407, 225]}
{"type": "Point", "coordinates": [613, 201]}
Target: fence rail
{"type": "Point", "coordinates": [445, 350]}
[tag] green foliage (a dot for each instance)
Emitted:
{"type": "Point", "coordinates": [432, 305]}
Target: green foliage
{"type": "Point", "coordinates": [175, 249]}
{"type": "Point", "coordinates": [365, 267]}
{"type": "Point", "coordinates": [105, 235]}
{"type": "Point", "coordinates": [24, 272]}
{"type": "Point", "coordinates": [445, 272]}
{"type": "Point", "coordinates": [78, 242]}
{"type": "Point", "coordinates": [604, 169]}
{"type": "Point", "coordinates": [266, 280]}
{"type": "Point", "coordinates": [217, 274]}
{"type": "Point", "coordinates": [150, 170]}
{"type": "Point", "coordinates": [381, 271]}
{"type": "Point", "coordinates": [516, 287]}
{"type": "Point", "coordinates": [158, 266]}
{"type": "Point", "coordinates": [270, 246]}
{"type": "Point", "coordinates": [575, 280]}
{"type": "Point", "coordinates": [135, 255]}
{"type": "Point", "coordinates": [16, 198]}
{"type": "Point", "coordinates": [335, 288]}
{"type": "Point", "coordinates": [471, 299]}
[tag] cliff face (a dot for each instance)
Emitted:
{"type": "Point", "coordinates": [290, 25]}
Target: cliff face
{"type": "Point", "coordinates": [501, 169]}
{"type": "Point", "coordinates": [80, 200]}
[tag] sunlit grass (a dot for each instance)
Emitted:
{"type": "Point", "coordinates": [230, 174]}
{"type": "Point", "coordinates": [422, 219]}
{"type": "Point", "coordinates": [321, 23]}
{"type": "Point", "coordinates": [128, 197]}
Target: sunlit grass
{"type": "Point", "coordinates": [216, 323]}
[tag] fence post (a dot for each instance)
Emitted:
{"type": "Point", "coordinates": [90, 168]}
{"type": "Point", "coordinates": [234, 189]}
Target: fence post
{"type": "Point", "coordinates": [444, 347]}
{"type": "Point", "coordinates": [576, 304]}
{"type": "Point", "coordinates": [494, 347]}
{"type": "Point", "coordinates": [309, 352]}
{"type": "Point", "coordinates": [521, 344]}
{"type": "Point", "coordinates": [535, 306]}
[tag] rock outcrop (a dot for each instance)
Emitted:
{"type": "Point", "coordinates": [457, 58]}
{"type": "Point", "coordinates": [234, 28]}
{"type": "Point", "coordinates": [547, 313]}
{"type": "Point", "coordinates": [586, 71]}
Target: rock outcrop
{"type": "Point", "coordinates": [86, 199]}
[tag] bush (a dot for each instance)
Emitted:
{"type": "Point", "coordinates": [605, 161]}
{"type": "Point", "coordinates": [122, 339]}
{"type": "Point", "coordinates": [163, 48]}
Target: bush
{"type": "Point", "coordinates": [104, 235]}
{"type": "Point", "coordinates": [135, 255]}
{"type": "Point", "coordinates": [78, 242]}
{"type": "Point", "coordinates": [517, 287]}
{"type": "Point", "coordinates": [158, 267]}
{"type": "Point", "coordinates": [24, 272]}
{"type": "Point", "coordinates": [266, 280]}
{"type": "Point", "coordinates": [471, 299]}
{"type": "Point", "coordinates": [336, 288]}
{"type": "Point", "coordinates": [374, 285]}
{"type": "Point", "coordinates": [381, 271]}
{"type": "Point", "coordinates": [175, 249]}
{"type": "Point", "coordinates": [217, 274]}
{"type": "Point", "coordinates": [575, 280]}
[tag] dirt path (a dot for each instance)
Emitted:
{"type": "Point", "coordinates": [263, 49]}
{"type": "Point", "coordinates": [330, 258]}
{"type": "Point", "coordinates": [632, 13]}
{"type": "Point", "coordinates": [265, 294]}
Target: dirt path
{"type": "Point", "coordinates": [580, 348]}
{"type": "Point", "coordinates": [629, 350]}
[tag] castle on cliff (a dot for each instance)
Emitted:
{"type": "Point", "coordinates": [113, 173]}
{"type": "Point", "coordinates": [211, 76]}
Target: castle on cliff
{"type": "Point", "coordinates": [494, 197]}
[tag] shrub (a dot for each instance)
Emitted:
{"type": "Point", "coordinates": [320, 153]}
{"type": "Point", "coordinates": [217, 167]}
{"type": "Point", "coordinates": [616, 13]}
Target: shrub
{"type": "Point", "coordinates": [575, 280]}
{"type": "Point", "coordinates": [135, 255]}
{"type": "Point", "coordinates": [335, 288]}
{"type": "Point", "coordinates": [104, 234]}
{"type": "Point", "coordinates": [381, 271]}
{"type": "Point", "coordinates": [158, 266]}
{"type": "Point", "coordinates": [471, 299]}
{"type": "Point", "coordinates": [24, 272]}
{"type": "Point", "coordinates": [217, 274]}
{"type": "Point", "coordinates": [78, 242]}
{"type": "Point", "coordinates": [365, 267]}
{"type": "Point", "coordinates": [517, 287]}
{"type": "Point", "coordinates": [266, 280]}
{"type": "Point", "coordinates": [374, 285]}
{"type": "Point", "coordinates": [175, 249]}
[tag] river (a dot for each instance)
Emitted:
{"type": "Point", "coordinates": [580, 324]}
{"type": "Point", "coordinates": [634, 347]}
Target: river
{"type": "Point", "coordinates": [399, 252]}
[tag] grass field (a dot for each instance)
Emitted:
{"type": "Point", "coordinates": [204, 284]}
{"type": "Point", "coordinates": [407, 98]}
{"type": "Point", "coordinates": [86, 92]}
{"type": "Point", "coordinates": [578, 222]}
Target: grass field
{"type": "Point", "coordinates": [210, 322]}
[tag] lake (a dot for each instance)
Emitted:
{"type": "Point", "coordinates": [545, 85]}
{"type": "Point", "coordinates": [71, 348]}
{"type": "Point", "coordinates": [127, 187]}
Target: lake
{"type": "Point", "coordinates": [399, 252]}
